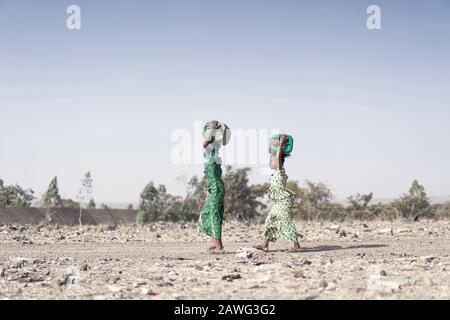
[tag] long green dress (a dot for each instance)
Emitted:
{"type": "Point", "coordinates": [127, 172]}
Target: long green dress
{"type": "Point", "coordinates": [279, 224]}
{"type": "Point", "coordinates": [210, 221]}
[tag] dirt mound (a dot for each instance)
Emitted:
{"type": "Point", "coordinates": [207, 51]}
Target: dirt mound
{"type": "Point", "coordinates": [66, 216]}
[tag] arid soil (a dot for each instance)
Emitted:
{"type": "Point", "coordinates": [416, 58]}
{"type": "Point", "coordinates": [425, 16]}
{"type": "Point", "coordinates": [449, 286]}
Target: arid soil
{"type": "Point", "coordinates": [354, 260]}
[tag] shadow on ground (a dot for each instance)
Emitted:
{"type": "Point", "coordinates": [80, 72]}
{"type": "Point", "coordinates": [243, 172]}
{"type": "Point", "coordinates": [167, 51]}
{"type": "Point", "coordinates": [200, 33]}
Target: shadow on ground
{"type": "Point", "coordinates": [334, 248]}
{"type": "Point", "coordinates": [331, 248]}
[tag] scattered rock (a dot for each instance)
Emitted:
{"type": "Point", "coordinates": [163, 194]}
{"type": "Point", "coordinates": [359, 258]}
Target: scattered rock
{"type": "Point", "coordinates": [66, 280]}
{"type": "Point", "coordinates": [115, 280]}
{"type": "Point", "coordinates": [256, 286]}
{"type": "Point", "coordinates": [85, 267]}
{"type": "Point", "coordinates": [306, 262]}
{"type": "Point", "coordinates": [21, 238]}
{"type": "Point", "coordinates": [430, 259]}
{"type": "Point", "coordinates": [269, 267]}
{"type": "Point", "coordinates": [395, 282]}
{"type": "Point", "coordinates": [111, 227]}
{"type": "Point", "coordinates": [299, 274]}
{"type": "Point", "coordinates": [139, 284]}
{"type": "Point", "coordinates": [323, 284]}
{"type": "Point", "coordinates": [244, 253]}
{"type": "Point", "coordinates": [231, 277]}
{"type": "Point", "coordinates": [386, 231]}
{"type": "Point", "coordinates": [148, 292]}
{"type": "Point", "coordinates": [165, 284]}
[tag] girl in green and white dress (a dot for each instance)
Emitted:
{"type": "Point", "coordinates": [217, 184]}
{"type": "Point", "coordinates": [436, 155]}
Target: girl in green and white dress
{"type": "Point", "coordinates": [279, 224]}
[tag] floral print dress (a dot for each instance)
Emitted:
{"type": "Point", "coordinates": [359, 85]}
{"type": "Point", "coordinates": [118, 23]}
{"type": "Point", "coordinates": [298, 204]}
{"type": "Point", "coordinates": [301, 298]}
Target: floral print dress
{"type": "Point", "coordinates": [279, 224]}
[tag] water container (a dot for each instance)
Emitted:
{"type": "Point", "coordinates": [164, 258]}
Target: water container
{"type": "Point", "coordinates": [275, 143]}
{"type": "Point", "coordinates": [221, 134]}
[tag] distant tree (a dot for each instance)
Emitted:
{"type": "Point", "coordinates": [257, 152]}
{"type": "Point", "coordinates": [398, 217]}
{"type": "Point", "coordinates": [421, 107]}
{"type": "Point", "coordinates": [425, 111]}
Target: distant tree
{"type": "Point", "coordinates": [383, 211]}
{"type": "Point", "coordinates": [157, 204]}
{"type": "Point", "coordinates": [130, 207]}
{"type": "Point", "coordinates": [297, 209]}
{"type": "Point", "coordinates": [312, 202]}
{"type": "Point", "coordinates": [104, 206]}
{"type": "Point", "coordinates": [85, 194]}
{"type": "Point", "coordinates": [241, 200]}
{"type": "Point", "coordinates": [358, 207]}
{"type": "Point", "coordinates": [69, 203]}
{"type": "Point", "coordinates": [195, 198]}
{"type": "Point", "coordinates": [51, 198]}
{"type": "Point", "coordinates": [142, 217]}
{"type": "Point", "coordinates": [173, 209]}
{"type": "Point", "coordinates": [414, 204]}
{"type": "Point", "coordinates": [442, 210]}
{"type": "Point", "coordinates": [151, 203]}
{"type": "Point", "coordinates": [91, 204]}
{"type": "Point", "coordinates": [14, 196]}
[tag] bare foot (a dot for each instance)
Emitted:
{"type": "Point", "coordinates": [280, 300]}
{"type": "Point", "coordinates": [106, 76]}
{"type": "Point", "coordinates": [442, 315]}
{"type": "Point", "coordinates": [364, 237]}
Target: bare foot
{"type": "Point", "coordinates": [261, 247]}
{"type": "Point", "coordinates": [218, 251]}
{"type": "Point", "coordinates": [296, 248]}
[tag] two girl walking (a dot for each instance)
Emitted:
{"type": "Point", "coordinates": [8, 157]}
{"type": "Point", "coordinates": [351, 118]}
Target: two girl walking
{"type": "Point", "coordinates": [278, 224]}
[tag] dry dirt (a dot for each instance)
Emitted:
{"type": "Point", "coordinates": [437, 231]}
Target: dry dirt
{"type": "Point", "coordinates": [372, 260]}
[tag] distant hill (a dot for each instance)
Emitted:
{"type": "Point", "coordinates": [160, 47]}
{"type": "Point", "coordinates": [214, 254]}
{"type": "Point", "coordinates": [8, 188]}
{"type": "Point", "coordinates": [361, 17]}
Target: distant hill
{"type": "Point", "coordinates": [118, 205]}
{"type": "Point", "coordinates": [433, 200]}
{"type": "Point", "coordinates": [440, 199]}
{"type": "Point", "coordinates": [124, 205]}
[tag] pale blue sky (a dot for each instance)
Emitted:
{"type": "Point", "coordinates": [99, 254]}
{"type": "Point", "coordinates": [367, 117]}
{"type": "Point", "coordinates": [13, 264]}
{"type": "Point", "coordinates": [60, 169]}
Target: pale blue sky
{"type": "Point", "coordinates": [369, 110]}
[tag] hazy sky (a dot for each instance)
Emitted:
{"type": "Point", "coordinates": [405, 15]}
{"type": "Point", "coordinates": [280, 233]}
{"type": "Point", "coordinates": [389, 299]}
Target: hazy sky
{"type": "Point", "coordinates": [369, 110]}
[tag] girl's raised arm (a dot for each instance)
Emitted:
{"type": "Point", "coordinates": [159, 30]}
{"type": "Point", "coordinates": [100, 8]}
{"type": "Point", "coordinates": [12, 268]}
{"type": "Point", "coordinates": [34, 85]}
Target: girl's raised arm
{"type": "Point", "coordinates": [283, 138]}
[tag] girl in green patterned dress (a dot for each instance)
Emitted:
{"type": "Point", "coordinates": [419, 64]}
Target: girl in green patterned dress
{"type": "Point", "coordinates": [210, 221]}
{"type": "Point", "coordinates": [279, 224]}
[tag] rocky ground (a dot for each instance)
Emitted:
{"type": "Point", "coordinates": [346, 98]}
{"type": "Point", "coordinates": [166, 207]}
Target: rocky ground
{"type": "Point", "coordinates": [371, 260]}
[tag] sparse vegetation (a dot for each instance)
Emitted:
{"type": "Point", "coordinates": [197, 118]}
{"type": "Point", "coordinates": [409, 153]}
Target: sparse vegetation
{"type": "Point", "coordinates": [312, 202]}
{"type": "Point", "coordinates": [15, 196]}
{"type": "Point", "coordinates": [243, 201]}
{"type": "Point", "coordinates": [51, 198]}
{"type": "Point", "coordinates": [85, 194]}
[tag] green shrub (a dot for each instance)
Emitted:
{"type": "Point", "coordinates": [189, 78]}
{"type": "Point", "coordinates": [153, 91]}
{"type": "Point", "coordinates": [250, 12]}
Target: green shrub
{"type": "Point", "coordinates": [142, 217]}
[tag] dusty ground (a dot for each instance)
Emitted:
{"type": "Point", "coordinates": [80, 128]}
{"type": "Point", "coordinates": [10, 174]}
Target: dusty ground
{"type": "Point", "coordinates": [372, 260]}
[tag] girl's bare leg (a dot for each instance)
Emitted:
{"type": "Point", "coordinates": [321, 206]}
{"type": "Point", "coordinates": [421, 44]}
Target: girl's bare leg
{"type": "Point", "coordinates": [218, 244]}
{"type": "Point", "coordinates": [213, 244]}
{"type": "Point", "coordinates": [264, 246]}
